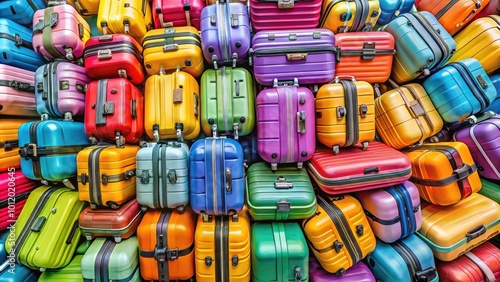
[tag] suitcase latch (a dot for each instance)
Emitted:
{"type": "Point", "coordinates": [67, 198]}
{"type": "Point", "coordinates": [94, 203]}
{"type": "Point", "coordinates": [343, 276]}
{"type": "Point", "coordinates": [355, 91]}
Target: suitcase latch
{"type": "Point", "coordinates": [177, 95]}
{"type": "Point", "coordinates": [21, 86]}
{"type": "Point", "coordinates": [425, 275]}
{"type": "Point", "coordinates": [172, 176]}
{"type": "Point", "coordinates": [54, 18]}
{"type": "Point", "coordinates": [283, 206]}
{"type": "Point", "coordinates": [296, 56]}
{"type": "Point", "coordinates": [196, 101]}
{"type": "Point", "coordinates": [145, 177]}
{"type": "Point", "coordinates": [281, 183]}
{"type": "Point", "coordinates": [416, 108]}
{"type": "Point", "coordinates": [229, 187]}
{"type": "Point", "coordinates": [38, 224]}
{"type": "Point", "coordinates": [360, 230]}
{"type": "Point", "coordinates": [298, 275]}
{"type": "Point", "coordinates": [368, 52]}
{"type": "Point", "coordinates": [301, 122]}
{"type": "Point", "coordinates": [482, 82]}
{"type": "Point", "coordinates": [104, 178]}
{"type": "Point", "coordinates": [213, 19]}
{"type": "Point", "coordinates": [170, 47]}
{"type": "Point", "coordinates": [63, 85]}
{"type": "Point", "coordinates": [8, 145]}
{"type": "Point", "coordinates": [234, 20]}
{"type": "Point", "coordinates": [17, 40]}
{"type": "Point", "coordinates": [29, 151]}
{"type": "Point", "coordinates": [363, 110]}
{"type": "Point", "coordinates": [84, 178]}
{"type": "Point", "coordinates": [341, 112]}
{"type": "Point", "coordinates": [164, 254]}
{"type": "Point", "coordinates": [104, 54]}
{"type": "Point", "coordinates": [286, 4]}
{"type": "Point", "coordinates": [109, 108]}
{"type": "Point", "coordinates": [338, 246]}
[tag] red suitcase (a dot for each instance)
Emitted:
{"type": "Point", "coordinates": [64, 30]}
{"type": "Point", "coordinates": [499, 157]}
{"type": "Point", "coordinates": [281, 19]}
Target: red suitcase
{"type": "Point", "coordinates": [114, 111]}
{"type": "Point", "coordinates": [14, 190]}
{"type": "Point", "coordinates": [114, 55]}
{"type": "Point", "coordinates": [356, 170]}
{"type": "Point", "coordinates": [169, 13]}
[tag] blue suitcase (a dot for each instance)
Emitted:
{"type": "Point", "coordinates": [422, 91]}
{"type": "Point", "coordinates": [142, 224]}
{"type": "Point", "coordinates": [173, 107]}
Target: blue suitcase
{"type": "Point", "coordinates": [460, 89]}
{"type": "Point", "coordinates": [249, 145]}
{"type": "Point", "coordinates": [48, 148]}
{"type": "Point", "coordinates": [216, 177]}
{"type": "Point", "coordinates": [495, 105]}
{"type": "Point", "coordinates": [3, 238]}
{"type": "Point", "coordinates": [391, 9]}
{"type": "Point", "coordinates": [20, 11]}
{"type": "Point", "coordinates": [17, 273]}
{"type": "Point", "coordinates": [409, 259]}
{"type": "Point", "coordinates": [16, 47]}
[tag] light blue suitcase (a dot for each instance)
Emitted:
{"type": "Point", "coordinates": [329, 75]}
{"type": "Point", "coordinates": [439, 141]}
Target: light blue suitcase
{"type": "Point", "coordinates": [20, 11]}
{"type": "Point", "coordinates": [495, 105]}
{"type": "Point", "coordinates": [391, 9]}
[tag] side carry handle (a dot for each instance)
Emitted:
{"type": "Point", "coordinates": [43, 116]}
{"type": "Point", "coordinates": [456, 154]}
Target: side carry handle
{"type": "Point", "coordinates": [229, 180]}
{"type": "Point", "coordinates": [282, 183]}
{"type": "Point", "coordinates": [298, 275]}
{"type": "Point", "coordinates": [475, 233]}
{"type": "Point", "coordinates": [301, 122]}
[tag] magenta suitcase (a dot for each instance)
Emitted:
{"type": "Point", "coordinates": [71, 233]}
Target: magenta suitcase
{"type": "Point", "coordinates": [286, 130]}
{"type": "Point", "coordinates": [60, 32]}
{"type": "Point", "coordinates": [356, 273]}
{"type": "Point", "coordinates": [169, 13]}
{"type": "Point", "coordinates": [307, 55]}
{"type": "Point", "coordinates": [483, 140]}
{"type": "Point", "coordinates": [284, 14]}
{"type": "Point", "coordinates": [17, 92]}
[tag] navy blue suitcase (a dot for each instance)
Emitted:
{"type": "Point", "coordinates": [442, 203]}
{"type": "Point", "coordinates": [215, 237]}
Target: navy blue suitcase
{"type": "Point", "coordinates": [20, 11]}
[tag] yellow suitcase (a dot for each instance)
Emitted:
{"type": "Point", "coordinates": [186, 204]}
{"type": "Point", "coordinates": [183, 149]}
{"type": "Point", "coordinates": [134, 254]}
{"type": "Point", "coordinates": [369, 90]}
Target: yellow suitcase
{"type": "Point", "coordinates": [85, 7]}
{"type": "Point", "coordinates": [173, 48]}
{"type": "Point", "coordinates": [9, 155]}
{"type": "Point", "coordinates": [106, 175]}
{"type": "Point", "coordinates": [344, 16]}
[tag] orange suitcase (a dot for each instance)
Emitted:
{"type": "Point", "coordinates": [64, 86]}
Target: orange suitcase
{"type": "Point", "coordinates": [9, 155]}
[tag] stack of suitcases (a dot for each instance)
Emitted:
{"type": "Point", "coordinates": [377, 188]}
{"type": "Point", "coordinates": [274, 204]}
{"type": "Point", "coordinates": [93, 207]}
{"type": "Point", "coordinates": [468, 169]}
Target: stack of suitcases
{"type": "Point", "coordinates": [259, 140]}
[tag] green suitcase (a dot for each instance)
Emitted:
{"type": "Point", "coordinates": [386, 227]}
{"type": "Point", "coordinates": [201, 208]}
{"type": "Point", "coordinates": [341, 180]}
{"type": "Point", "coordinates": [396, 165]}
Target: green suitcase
{"type": "Point", "coordinates": [46, 232]}
{"type": "Point", "coordinates": [284, 194]}
{"type": "Point", "coordinates": [279, 252]}
{"type": "Point", "coordinates": [227, 101]}
{"type": "Point", "coordinates": [71, 272]}
{"type": "Point", "coordinates": [490, 189]}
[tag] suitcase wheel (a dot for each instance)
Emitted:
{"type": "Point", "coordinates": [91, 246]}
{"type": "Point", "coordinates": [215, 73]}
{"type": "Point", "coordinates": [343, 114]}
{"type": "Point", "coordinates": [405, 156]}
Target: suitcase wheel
{"type": "Point", "coordinates": [88, 237]}
{"type": "Point", "coordinates": [144, 208]}
{"type": "Point", "coordinates": [120, 140]}
{"type": "Point", "coordinates": [274, 166]}
{"type": "Point", "coordinates": [68, 116]}
{"type": "Point", "coordinates": [300, 165]}
{"type": "Point", "coordinates": [118, 239]}
{"type": "Point", "coordinates": [69, 54]}
{"type": "Point", "coordinates": [336, 149]}
{"type": "Point", "coordinates": [181, 209]}
{"type": "Point", "coordinates": [364, 145]}
{"type": "Point", "coordinates": [93, 206]}
{"type": "Point", "coordinates": [205, 217]}
{"type": "Point", "coordinates": [113, 205]}
{"type": "Point", "coordinates": [93, 140]}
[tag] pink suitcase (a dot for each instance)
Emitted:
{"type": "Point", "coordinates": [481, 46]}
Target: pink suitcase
{"type": "Point", "coordinates": [17, 92]}
{"type": "Point", "coordinates": [168, 13]}
{"type": "Point", "coordinates": [286, 130]}
{"type": "Point", "coordinates": [60, 32]}
{"type": "Point", "coordinates": [14, 190]}
{"type": "Point", "coordinates": [284, 14]}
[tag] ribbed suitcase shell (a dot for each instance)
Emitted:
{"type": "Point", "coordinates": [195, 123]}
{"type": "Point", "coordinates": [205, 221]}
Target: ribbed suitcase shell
{"type": "Point", "coordinates": [391, 9]}
{"type": "Point", "coordinates": [72, 272]}
{"type": "Point", "coordinates": [495, 105]}
{"type": "Point", "coordinates": [490, 189]}
{"type": "Point", "coordinates": [15, 190]}
{"type": "Point", "coordinates": [363, 15]}
{"type": "Point", "coordinates": [168, 13]}
{"type": "Point", "coordinates": [17, 92]}
{"type": "Point", "coordinates": [358, 272]}
{"type": "Point", "coordinates": [9, 155]}
{"type": "Point", "coordinates": [20, 12]}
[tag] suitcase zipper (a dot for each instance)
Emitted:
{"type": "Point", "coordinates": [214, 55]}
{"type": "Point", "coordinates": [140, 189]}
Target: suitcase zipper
{"type": "Point", "coordinates": [224, 98]}
{"type": "Point", "coordinates": [101, 264]}
{"type": "Point", "coordinates": [214, 175]}
{"type": "Point", "coordinates": [117, 47]}
{"type": "Point", "coordinates": [283, 51]}
{"type": "Point", "coordinates": [53, 96]}
{"type": "Point", "coordinates": [468, 77]}
{"type": "Point", "coordinates": [409, 257]}
{"type": "Point", "coordinates": [358, 17]}
{"type": "Point", "coordinates": [352, 121]}
{"type": "Point", "coordinates": [19, 197]}
{"type": "Point", "coordinates": [164, 177]}
{"type": "Point", "coordinates": [162, 243]}
{"type": "Point", "coordinates": [222, 178]}
{"type": "Point", "coordinates": [37, 170]}
{"type": "Point", "coordinates": [94, 176]}
{"type": "Point", "coordinates": [172, 35]}
{"type": "Point", "coordinates": [406, 215]}
{"type": "Point", "coordinates": [178, 42]}
{"type": "Point", "coordinates": [289, 124]}
{"type": "Point", "coordinates": [445, 9]}
{"type": "Point", "coordinates": [221, 249]}
{"type": "Point", "coordinates": [221, 28]}
{"type": "Point", "coordinates": [47, 96]}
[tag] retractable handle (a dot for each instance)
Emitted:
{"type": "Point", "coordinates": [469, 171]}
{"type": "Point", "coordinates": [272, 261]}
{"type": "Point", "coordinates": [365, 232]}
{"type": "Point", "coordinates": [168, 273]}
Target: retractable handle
{"type": "Point", "coordinates": [344, 77]}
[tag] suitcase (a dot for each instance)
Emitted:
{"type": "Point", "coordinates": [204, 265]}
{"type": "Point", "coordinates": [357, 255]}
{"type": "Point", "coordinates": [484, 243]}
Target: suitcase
{"type": "Point", "coordinates": [367, 56]}
{"type": "Point", "coordinates": [168, 13]}
{"type": "Point", "coordinates": [358, 272]}
{"type": "Point", "coordinates": [4, 235]}
{"type": "Point", "coordinates": [107, 260]}
{"type": "Point", "coordinates": [173, 48]}
{"type": "Point", "coordinates": [211, 2]}
{"type": "Point", "coordinates": [408, 259]}
{"type": "Point", "coordinates": [249, 145]}
{"type": "Point", "coordinates": [389, 10]}
{"type": "Point", "coordinates": [393, 212]}
{"type": "Point", "coordinates": [460, 89]}
{"type": "Point", "coordinates": [492, 8]}
{"type": "Point", "coordinates": [453, 15]}
{"type": "Point", "coordinates": [348, 16]}
{"type": "Point", "coordinates": [48, 149]}
{"type": "Point", "coordinates": [284, 194]}
{"type": "Point", "coordinates": [17, 92]}
{"type": "Point", "coordinates": [46, 231]}
{"type": "Point", "coordinates": [92, 21]}
{"type": "Point", "coordinates": [495, 105]}
{"type": "Point", "coordinates": [162, 175]}
{"type": "Point", "coordinates": [20, 12]}
{"type": "Point", "coordinates": [9, 155]}
{"type": "Point", "coordinates": [16, 44]}
{"type": "Point", "coordinates": [479, 264]}
{"type": "Point", "coordinates": [17, 273]}
{"type": "Point", "coordinates": [114, 55]}
{"type": "Point", "coordinates": [166, 245]}
{"type": "Point", "coordinates": [345, 114]}
{"type": "Point", "coordinates": [227, 101]}
{"type": "Point", "coordinates": [132, 17]}
{"type": "Point", "coordinates": [85, 7]}
{"type": "Point", "coordinates": [280, 15]}
{"type": "Point", "coordinates": [216, 180]}
{"type": "Point", "coordinates": [114, 111]}
{"type": "Point", "coordinates": [405, 116]}
{"type": "Point", "coordinates": [222, 249]}
{"type": "Point", "coordinates": [285, 134]}
{"type": "Point", "coordinates": [452, 230]}
{"type": "Point", "coordinates": [279, 252]}
{"type": "Point", "coordinates": [106, 175]}
{"type": "Point", "coordinates": [339, 234]}
{"type": "Point", "coordinates": [72, 272]}
{"type": "Point", "coordinates": [285, 55]}
{"type": "Point", "coordinates": [60, 90]}
{"type": "Point", "coordinates": [490, 189]}
{"type": "Point", "coordinates": [225, 33]}
{"type": "Point", "coordinates": [60, 32]}
{"type": "Point", "coordinates": [15, 189]}
{"type": "Point", "coordinates": [356, 170]}
{"type": "Point", "coordinates": [479, 40]}
{"type": "Point", "coordinates": [425, 41]}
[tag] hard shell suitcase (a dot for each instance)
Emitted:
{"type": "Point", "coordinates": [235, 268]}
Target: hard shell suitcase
{"type": "Point", "coordinates": [390, 9]}
{"type": "Point", "coordinates": [173, 48]}
{"type": "Point", "coordinates": [18, 273]}
{"type": "Point", "coordinates": [393, 212]}
{"type": "Point", "coordinates": [20, 12]}
{"type": "Point", "coordinates": [285, 124]}
{"type": "Point", "coordinates": [348, 16]}
{"type": "Point", "coordinates": [106, 175]}
{"type": "Point", "coordinates": [495, 105]}
{"type": "Point", "coordinates": [46, 231]}
{"type": "Point", "coordinates": [345, 114]}
{"type": "Point", "coordinates": [132, 17]}
{"type": "Point", "coordinates": [479, 264]}
{"type": "Point", "coordinates": [166, 245]}
{"type": "Point", "coordinates": [366, 56]}
{"type": "Point", "coordinates": [106, 260]}
{"type": "Point", "coordinates": [114, 111]}
{"type": "Point", "coordinates": [225, 33]}
{"type": "Point", "coordinates": [408, 259]}
{"type": "Point", "coordinates": [48, 149]}
{"type": "Point", "coordinates": [162, 175]}
{"type": "Point", "coordinates": [222, 249]}
{"type": "Point", "coordinates": [339, 234]}
{"type": "Point", "coordinates": [422, 46]}
{"type": "Point", "coordinates": [452, 230]}
{"type": "Point", "coordinates": [460, 89]}
{"type": "Point", "coordinates": [17, 92]}
{"type": "Point", "coordinates": [279, 252]}
{"type": "Point", "coordinates": [211, 2]}
{"type": "Point", "coordinates": [492, 8]}
{"type": "Point", "coordinates": [168, 13]}
{"type": "Point", "coordinates": [9, 144]}
{"type": "Point", "coordinates": [60, 32]}
{"type": "Point", "coordinates": [249, 145]}
{"type": "Point", "coordinates": [490, 189]}
{"type": "Point", "coordinates": [284, 194]}
{"type": "Point", "coordinates": [284, 55]}
{"type": "Point", "coordinates": [216, 181]}
{"type": "Point", "coordinates": [16, 45]}
{"type": "Point", "coordinates": [358, 272]}
{"type": "Point", "coordinates": [405, 116]}
{"type": "Point", "coordinates": [85, 7]}
{"type": "Point", "coordinates": [227, 101]}
{"type": "Point", "coordinates": [356, 170]}
{"type": "Point", "coordinates": [114, 55]}
{"type": "Point", "coordinates": [60, 90]}
{"type": "Point", "coordinates": [14, 190]}
{"type": "Point", "coordinates": [72, 272]}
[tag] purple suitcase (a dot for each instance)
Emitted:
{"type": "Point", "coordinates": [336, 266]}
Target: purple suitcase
{"type": "Point", "coordinates": [286, 130]}
{"type": "Point", "coordinates": [60, 90]}
{"type": "Point", "coordinates": [17, 92]}
{"type": "Point", "coordinates": [308, 55]}
{"type": "Point", "coordinates": [225, 33]}
{"type": "Point", "coordinates": [356, 273]}
{"type": "Point", "coordinates": [483, 140]}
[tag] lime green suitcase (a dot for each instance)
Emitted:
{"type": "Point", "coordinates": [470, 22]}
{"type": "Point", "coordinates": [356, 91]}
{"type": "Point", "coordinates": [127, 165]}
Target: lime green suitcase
{"type": "Point", "coordinates": [490, 189]}
{"type": "Point", "coordinates": [72, 272]}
